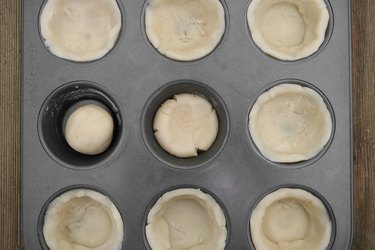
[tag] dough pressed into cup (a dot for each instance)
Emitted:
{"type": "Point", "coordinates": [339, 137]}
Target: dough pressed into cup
{"type": "Point", "coordinates": [185, 125]}
{"type": "Point", "coordinates": [288, 29]}
{"type": "Point", "coordinates": [290, 123]}
{"type": "Point", "coordinates": [290, 219]}
{"type": "Point", "coordinates": [80, 30]}
{"type": "Point", "coordinates": [89, 129]}
{"type": "Point", "coordinates": [186, 219]}
{"type": "Point", "coordinates": [82, 219]}
{"type": "Point", "coordinates": [184, 29]}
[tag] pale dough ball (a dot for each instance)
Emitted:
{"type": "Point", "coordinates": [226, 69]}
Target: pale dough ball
{"type": "Point", "coordinates": [185, 125]}
{"type": "Point", "coordinates": [290, 219]}
{"type": "Point", "coordinates": [290, 123]}
{"type": "Point", "coordinates": [184, 30]}
{"type": "Point", "coordinates": [83, 219]}
{"type": "Point", "coordinates": [80, 30]}
{"type": "Point", "coordinates": [288, 29]}
{"type": "Point", "coordinates": [186, 219]}
{"type": "Point", "coordinates": [89, 129]}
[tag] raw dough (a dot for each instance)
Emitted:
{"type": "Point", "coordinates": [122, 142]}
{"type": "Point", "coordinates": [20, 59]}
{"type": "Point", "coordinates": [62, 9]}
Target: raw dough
{"type": "Point", "coordinates": [80, 30]}
{"type": "Point", "coordinates": [83, 219]}
{"type": "Point", "coordinates": [89, 129]}
{"type": "Point", "coordinates": [290, 219]}
{"type": "Point", "coordinates": [184, 29]}
{"type": "Point", "coordinates": [186, 124]}
{"type": "Point", "coordinates": [288, 29]}
{"type": "Point", "coordinates": [290, 123]}
{"type": "Point", "coordinates": [186, 219]}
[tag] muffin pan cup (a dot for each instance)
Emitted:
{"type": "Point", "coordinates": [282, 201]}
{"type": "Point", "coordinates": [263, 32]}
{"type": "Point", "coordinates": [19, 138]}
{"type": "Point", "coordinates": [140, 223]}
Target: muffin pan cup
{"type": "Point", "coordinates": [236, 73]}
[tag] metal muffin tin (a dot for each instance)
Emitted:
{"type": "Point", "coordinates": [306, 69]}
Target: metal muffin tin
{"type": "Point", "coordinates": [133, 79]}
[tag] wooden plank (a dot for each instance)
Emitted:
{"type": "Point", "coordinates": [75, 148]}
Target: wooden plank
{"type": "Point", "coordinates": [9, 124]}
{"type": "Point", "coordinates": [363, 39]}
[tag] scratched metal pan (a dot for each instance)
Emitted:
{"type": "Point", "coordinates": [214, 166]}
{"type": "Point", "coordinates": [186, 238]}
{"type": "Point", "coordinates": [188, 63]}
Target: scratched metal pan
{"type": "Point", "coordinates": [133, 79]}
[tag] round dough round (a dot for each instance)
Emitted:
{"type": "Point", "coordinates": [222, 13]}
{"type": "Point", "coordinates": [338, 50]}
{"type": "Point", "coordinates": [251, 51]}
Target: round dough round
{"type": "Point", "coordinates": [185, 125]}
{"type": "Point", "coordinates": [288, 29]}
{"type": "Point", "coordinates": [80, 30]}
{"type": "Point", "coordinates": [290, 219]}
{"type": "Point", "coordinates": [186, 219]}
{"type": "Point", "coordinates": [290, 123]}
{"type": "Point", "coordinates": [83, 219]}
{"type": "Point", "coordinates": [184, 29]}
{"type": "Point", "coordinates": [89, 129]}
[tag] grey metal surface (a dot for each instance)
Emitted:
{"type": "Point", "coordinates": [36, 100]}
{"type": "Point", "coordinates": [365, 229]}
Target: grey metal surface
{"type": "Point", "coordinates": [135, 172]}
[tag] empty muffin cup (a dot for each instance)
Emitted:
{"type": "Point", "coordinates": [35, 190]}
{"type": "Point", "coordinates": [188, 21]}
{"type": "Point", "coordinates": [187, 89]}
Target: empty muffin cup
{"type": "Point", "coordinates": [80, 125]}
{"type": "Point", "coordinates": [288, 29]}
{"type": "Point", "coordinates": [186, 218]}
{"type": "Point", "coordinates": [184, 30]}
{"type": "Point", "coordinates": [290, 123]}
{"type": "Point", "coordinates": [185, 124]}
{"type": "Point", "coordinates": [80, 30]}
{"type": "Point", "coordinates": [82, 219]}
{"type": "Point", "coordinates": [290, 218]}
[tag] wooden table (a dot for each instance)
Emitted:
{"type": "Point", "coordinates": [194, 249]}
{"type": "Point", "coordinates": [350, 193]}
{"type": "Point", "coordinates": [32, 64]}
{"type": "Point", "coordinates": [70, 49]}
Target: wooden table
{"type": "Point", "coordinates": [363, 28]}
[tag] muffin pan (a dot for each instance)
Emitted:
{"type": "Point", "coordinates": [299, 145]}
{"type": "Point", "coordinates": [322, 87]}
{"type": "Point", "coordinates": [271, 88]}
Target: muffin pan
{"type": "Point", "coordinates": [131, 82]}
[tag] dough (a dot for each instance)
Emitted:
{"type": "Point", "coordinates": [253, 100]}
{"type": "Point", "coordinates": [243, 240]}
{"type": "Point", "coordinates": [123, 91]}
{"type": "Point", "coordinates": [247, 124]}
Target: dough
{"type": "Point", "coordinates": [186, 219]}
{"type": "Point", "coordinates": [80, 30]}
{"type": "Point", "coordinates": [89, 129]}
{"type": "Point", "coordinates": [290, 123]}
{"type": "Point", "coordinates": [290, 219]}
{"type": "Point", "coordinates": [186, 124]}
{"type": "Point", "coordinates": [184, 29]}
{"type": "Point", "coordinates": [83, 219]}
{"type": "Point", "coordinates": [288, 29]}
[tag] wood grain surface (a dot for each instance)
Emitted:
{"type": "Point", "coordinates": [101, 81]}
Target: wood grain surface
{"type": "Point", "coordinates": [10, 19]}
{"type": "Point", "coordinates": [363, 26]}
{"type": "Point", "coordinates": [363, 51]}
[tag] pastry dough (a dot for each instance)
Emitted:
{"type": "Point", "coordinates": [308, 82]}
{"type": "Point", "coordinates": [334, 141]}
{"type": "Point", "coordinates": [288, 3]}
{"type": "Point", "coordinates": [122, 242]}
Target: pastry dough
{"type": "Point", "coordinates": [288, 29]}
{"type": "Point", "coordinates": [184, 29]}
{"type": "Point", "coordinates": [186, 219]}
{"type": "Point", "coordinates": [80, 30]}
{"type": "Point", "coordinates": [83, 219]}
{"type": "Point", "coordinates": [186, 124]}
{"type": "Point", "coordinates": [290, 219]}
{"type": "Point", "coordinates": [89, 129]}
{"type": "Point", "coordinates": [290, 123]}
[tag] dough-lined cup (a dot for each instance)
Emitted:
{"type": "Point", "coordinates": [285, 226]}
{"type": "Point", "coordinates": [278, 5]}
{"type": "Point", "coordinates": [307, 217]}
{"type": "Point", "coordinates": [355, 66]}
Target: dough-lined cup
{"type": "Point", "coordinates": [290, 122]}
{"type": "Point", "coordinates": [80, 30]}
{"type": "Point", "coordinates": [291, 218]}
{"type": "Point", "coordinates": [81, 218]}
{"type": "Point", "coordinates": [184, 30]}
{"type": "Point", "coordinates": [288, 29]}
{"type": "Point", "coordinates": [186, 218]}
